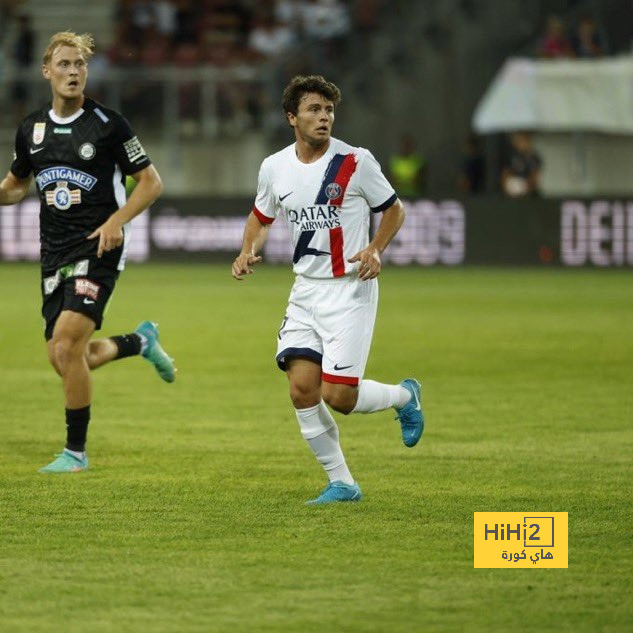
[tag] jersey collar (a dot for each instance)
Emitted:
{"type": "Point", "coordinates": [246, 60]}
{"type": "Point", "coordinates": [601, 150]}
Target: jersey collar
{"type": "Point", "coordinates": [64, 121]}
{"type": "Point", "coordinates": [326, 157]}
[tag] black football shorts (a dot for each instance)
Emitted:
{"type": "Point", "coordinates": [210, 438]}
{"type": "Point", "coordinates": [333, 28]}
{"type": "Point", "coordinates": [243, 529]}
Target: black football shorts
{"type": "Point", "coordinates": [85, 287]}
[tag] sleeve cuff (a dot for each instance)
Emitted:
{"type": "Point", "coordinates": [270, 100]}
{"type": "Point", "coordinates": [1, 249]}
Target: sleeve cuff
{"type": "Point", "coordinates": [385, 205]}
{"type": "Point", "coordinates": [21, 176]}
{"type": "Point", "coordinates": [264, 219]}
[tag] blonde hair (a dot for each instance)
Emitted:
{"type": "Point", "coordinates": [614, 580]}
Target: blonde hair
{"type": "Point", "coordinates": [84, 43]}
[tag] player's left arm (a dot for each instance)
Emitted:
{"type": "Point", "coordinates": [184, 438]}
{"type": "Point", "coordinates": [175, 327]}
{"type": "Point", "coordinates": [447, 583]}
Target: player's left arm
{"type": "Point", "coordinates": [369, 257]}
{"type": "Point", "coordinates": [148, 187]}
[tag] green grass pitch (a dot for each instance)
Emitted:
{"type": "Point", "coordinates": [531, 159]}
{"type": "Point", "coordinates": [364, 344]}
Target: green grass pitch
{"type": "Point", "coordinates": [192, 517]}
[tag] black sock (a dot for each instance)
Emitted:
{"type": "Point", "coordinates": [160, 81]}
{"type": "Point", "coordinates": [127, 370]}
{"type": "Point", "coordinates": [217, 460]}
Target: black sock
{"type": "Point", "coordinates": [127, 344]}
{"type": "Point", "coordinates": [77, 428]}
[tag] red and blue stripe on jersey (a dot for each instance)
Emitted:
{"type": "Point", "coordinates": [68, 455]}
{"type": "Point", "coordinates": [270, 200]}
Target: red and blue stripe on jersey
{"type": "Point", "coordinates": [339, 171]}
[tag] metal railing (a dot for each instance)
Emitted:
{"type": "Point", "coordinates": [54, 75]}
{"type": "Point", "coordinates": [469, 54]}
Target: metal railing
{"type": "Point", "coordinates": [200, 102]}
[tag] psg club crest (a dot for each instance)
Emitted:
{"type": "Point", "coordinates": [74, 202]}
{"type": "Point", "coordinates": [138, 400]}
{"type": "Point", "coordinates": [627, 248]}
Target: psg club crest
{"type": "Point", "coordinates": [333, 191]}
{"type": "Point", "coordinates": [38, 133]}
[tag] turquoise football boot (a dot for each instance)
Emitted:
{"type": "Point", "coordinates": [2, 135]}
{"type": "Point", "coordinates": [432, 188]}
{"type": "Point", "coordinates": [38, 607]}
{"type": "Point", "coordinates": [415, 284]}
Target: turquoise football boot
{"type": "Point", "coordinates": [154, 353]}
{"type": "Point", "coordinates": [65, 462]}
{"type": "Point", "coordinates": [411, 415]}
{"type": "Point", "coordinates": [338, 491]}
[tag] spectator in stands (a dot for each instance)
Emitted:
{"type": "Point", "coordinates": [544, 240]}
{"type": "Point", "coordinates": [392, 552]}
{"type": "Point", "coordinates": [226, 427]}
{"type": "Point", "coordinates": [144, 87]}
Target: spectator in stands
{"type": "Point", "coordinates": [22, 59]}
{"type": "Point", "coordinates": [325, 19]}
{"type": "Point", "coordinates": [472, 171]}
{"type": "Point", "coordinates": [124, 50]}
{"type": "Point", "coordinates": [227, 19]}
{"type": "Point", "coordinates": [555, 42]}
{"type": "Point", "coordinates": [521, 173]}
{"type": "Point", "coordinates": [270, 38]}
{"type": "Point", "coordinates": [142, 20]}
{"type": "Point", "coordinates": [406, 170]}
{"type": "Point", "coordinates": [289, 12]}
{"type": "Point", "coordinates": [586, 40]}
{"type": "Point", "coordinates": [165, 18]}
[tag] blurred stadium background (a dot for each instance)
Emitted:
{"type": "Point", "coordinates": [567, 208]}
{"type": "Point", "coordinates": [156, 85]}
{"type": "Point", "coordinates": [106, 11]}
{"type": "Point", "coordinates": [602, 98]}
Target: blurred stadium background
{"type": "Point", "coordinates": [432, 88]}
{"type": "Point", "coordinates": [191, 517]}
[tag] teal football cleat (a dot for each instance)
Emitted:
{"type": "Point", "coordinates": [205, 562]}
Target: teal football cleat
{"type": "Point", "coordinates": [411, 415]}
{"type": "Point", "coordinates": [154, 353]}
{"type": "Point", "coordinates": [65, 462]}
{"type": "Point", "coordinates": [338, 491]}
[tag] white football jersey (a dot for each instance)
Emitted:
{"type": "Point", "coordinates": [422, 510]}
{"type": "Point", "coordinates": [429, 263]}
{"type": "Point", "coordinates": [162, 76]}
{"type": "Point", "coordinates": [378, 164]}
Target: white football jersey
{"type": "Point", "coordinates": [326, 204]}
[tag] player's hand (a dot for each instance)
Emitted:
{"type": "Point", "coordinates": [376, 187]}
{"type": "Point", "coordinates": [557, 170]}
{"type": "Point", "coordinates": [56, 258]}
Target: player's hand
{"type": "Point", "coordinates": [242, 265]}
{"type": "Point", "coordinates": [110, 235]}
{"type": "Point", "coordinates": [370, 265]}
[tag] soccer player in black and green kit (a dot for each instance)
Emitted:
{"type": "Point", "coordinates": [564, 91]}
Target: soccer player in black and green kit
{"type": "Point", "coordinates": [80, 154]}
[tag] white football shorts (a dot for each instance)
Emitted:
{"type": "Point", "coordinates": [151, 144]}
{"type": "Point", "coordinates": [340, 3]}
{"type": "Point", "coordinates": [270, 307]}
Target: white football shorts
{"type": "Point", "coordinates": [330, 321]}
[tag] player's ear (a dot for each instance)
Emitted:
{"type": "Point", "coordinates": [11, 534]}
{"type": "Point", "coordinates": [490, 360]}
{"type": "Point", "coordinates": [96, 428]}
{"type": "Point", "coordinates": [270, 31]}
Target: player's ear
{"type": "Point", "coordinates": [292, 119]}
{"type": "Point", "coordinates": [46, 71]}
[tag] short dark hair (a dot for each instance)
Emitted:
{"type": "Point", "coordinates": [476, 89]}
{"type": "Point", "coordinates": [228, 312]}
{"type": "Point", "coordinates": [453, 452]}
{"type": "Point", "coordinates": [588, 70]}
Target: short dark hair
{"type": "Point", "coordinates": [302, 85]}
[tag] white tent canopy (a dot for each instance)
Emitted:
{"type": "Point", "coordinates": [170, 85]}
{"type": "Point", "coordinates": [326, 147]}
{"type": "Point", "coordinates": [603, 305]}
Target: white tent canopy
{"type": "Point", "coordinates": [559, 96]}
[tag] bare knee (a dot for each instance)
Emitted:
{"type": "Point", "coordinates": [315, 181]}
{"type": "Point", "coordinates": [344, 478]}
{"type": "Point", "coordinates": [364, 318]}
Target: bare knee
{"type": "Point", "coordinates": [304, 378]}
{"type": "Point", "coordinates": [304, 395]}
{"type": "Point", "coordinates": [65, 351]}
{"type": "Point", "coordinates": [341, 398]}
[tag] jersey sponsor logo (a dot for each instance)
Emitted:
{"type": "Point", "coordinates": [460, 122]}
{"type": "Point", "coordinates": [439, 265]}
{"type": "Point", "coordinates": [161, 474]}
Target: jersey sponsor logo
{"type": "Point", "coordinates": [72, 270]}
{"type": "Point", "coordinates": [87, 288]}
{"type": "Point", "coordinates": [315, 217]}
{"type": "Point", "coordinates": [62, 197]}
{"type": "Point", "coordinates": [50, 283]}
{"type": "Point", "coordinates": [282, 198]}
{"type": "Point", "coordinates": [81, 268]}
{"type": "Point", "coordinates": [337, 368]}
{"type": "Point", "coordinates": [38, 132]}
{"type": "Point", "coordinates": [35, 150]}
{"type": "Point", "coordinates": [303, 247]}
{"type": "Point", "coordinates": [333, 191]}
{"type": "Point", "coordinates": [87, 151]}
{"type": "Point", "coordinates": [62, 130]}
{"type": "Point", "coordinates": [67, 174]}
{"type": "Point", "coordinates": [134, 149]}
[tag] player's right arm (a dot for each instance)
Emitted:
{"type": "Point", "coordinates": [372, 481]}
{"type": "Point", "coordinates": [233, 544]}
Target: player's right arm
{"type": "Point", "coordinates": [257, 225]}
{"type": "Point", "coordinates": [13, 189]}
{"type": "Point", "coordinates": [255, 234]}
{"type": "Point", "coordinates": [15, 186]}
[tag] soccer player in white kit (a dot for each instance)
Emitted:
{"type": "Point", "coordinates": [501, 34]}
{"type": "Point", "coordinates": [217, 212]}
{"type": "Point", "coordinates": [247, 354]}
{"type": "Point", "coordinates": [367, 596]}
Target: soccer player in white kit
{"type": "Point", "coordinates": [326, 190]}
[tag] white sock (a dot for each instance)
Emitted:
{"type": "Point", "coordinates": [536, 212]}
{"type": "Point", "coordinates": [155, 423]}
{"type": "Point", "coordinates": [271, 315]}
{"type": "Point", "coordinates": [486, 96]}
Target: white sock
{"type": "Point", "coordinates": [376, 396]}
{"type": "Point", "coordinates": [77, 454]}
{"type": "Point", "coordinates": [320, 431]}
{"type": "Point", "coordinates": [143, 341]}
